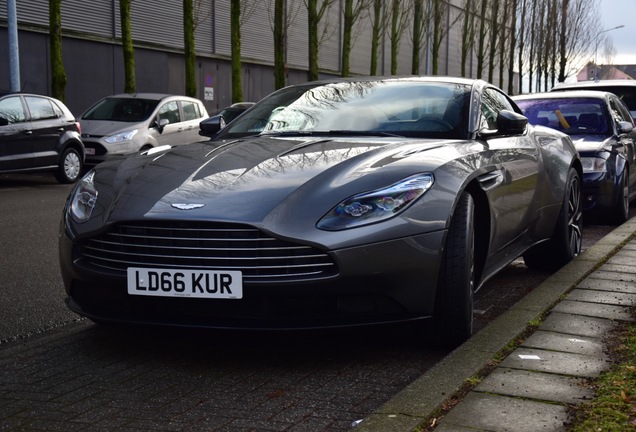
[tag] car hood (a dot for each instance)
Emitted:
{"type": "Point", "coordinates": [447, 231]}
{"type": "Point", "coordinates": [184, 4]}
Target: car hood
{"type": "Point", "coordinates": [590, 144]}
{"type": "Point", "coordinates": [100, 128]}
{"type": "Point", "coordinates": [254, 179]}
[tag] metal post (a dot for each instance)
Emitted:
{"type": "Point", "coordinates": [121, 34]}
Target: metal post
{"type": "Point", "coordinates": [596, 48]}
{"type": "Point", "coordinates": [14, 53]}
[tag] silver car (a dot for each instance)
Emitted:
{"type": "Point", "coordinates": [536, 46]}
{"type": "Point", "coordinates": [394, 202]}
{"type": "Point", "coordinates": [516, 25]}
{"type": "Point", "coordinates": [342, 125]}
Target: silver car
{"type": "Point", "coordinates": [127, 123]}
{"type": "Point", "coordinates": [327, 204]}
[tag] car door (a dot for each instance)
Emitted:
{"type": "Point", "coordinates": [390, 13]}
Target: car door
{"type": "Point", "coordinates": [47, 126]}
{"type": "Point", "coordinates": [517, 160]}
{"type": "Point", "coordinates": [191, 117]}
{"type": "Point", "coordinates": [16, 144]}
{"type": "Point", "coordinates": [170, 134]}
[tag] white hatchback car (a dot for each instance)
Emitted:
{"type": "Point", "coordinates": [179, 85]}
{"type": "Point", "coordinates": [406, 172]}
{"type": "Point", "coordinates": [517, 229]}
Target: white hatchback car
{"type": "Point", "coordinates": [127, 123]}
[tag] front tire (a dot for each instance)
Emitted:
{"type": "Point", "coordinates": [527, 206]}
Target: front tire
{"type": "Point", "coordinates": [454, 299]}
{"type": "Point", "coordinates": [70, 166]}
{"type": "Point", "coordinates": [566, 240]}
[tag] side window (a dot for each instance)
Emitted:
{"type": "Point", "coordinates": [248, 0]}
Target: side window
{"type": "Point", "coordinates": [619, 112]}
{"type": "Point", "coordinates": [40, 108]}
{"type": "Point", "coordinates": [170, 111]}
{"type": "Point", "coordinates": [11, 111]}
{"type": "Point", "coordinates": [492, 103]}
{"type": "Point", "coordinates": [190, 110]}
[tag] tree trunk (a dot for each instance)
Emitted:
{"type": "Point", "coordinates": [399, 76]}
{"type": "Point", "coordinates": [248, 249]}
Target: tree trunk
{"type": "Point", "coordinates": [188, 42]}
{"type": "Point", "coordinates": [511, 51]}
{"type": "Point", "coordinates": [235, 41]}
{"type": "Point", "coordinates": [378, 25]}
{"type": "Point", "coordinates": [312, 27]}
{"type": "Point", "coordinates": [58, 74]}
{"type": "Point", "coordinates": [494, 34]}
{"type": "Point", "coordinates": [481, 47]}
{"type": "Point", "coordinates": [130, 85]}
{"type": "Point", "coordinates": [418, 17]}
{"type": "Point", "coordinates": [280, 43]}
{"type": "Point", "coordinates": [346, 36]}
{"type": "Point", "coordinates": [562, 40]}
{"type": "Point", "coordinates": [468, 35]}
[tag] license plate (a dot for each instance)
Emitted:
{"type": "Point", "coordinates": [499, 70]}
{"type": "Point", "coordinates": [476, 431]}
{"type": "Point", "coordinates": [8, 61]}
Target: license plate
{"type": "Point", "coordinates": [89, 151]}
{"type": "Point", "coordinates": [216, 284]}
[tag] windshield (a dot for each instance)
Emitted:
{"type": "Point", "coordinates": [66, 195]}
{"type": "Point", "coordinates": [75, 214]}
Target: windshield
{"type": "Point", "coordinates": [121, 110]}
{"type": "Point", "coordinates": [405, 108]}
{"type": "Point", "coordinates": [574, 116]}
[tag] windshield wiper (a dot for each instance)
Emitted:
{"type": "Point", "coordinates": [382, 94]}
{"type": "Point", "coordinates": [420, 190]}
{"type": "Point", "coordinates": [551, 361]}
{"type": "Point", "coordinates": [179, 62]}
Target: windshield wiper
{"type": "Point", "coordinates": [331, 133]}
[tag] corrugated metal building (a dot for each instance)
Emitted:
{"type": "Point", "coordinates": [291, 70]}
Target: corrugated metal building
{"type": "Point", "coordinates": [94, 61]}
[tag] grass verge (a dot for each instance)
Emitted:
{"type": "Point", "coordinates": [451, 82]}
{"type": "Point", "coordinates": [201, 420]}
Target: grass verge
{"type": "Point", "coordinates": [614, 407]}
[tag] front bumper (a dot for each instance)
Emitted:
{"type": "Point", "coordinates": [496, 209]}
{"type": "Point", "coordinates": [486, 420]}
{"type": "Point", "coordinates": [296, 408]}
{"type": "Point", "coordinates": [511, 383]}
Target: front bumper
{"type": "Point", "coordinates": [599, 192]}
{"type": "Point", "coordinates": [391, 281]}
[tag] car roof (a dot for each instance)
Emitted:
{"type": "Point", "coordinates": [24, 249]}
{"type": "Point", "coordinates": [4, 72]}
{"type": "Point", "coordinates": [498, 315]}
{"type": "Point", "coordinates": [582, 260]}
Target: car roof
{"type": "Point", "coordinates": [574, 94]}
{"type": "Point", "coordinates": [149, 96]}
{"type": "Point", "coordinates": [596, 84]}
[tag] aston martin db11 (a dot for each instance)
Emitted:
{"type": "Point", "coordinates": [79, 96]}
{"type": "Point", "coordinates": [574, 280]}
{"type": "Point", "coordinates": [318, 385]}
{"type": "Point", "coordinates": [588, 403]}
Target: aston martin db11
{"type": "Point", "coordinates": [327, 204]}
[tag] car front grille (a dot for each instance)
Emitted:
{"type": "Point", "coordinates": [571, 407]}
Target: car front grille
{"type": "Point", "coordinates": [207, 246]}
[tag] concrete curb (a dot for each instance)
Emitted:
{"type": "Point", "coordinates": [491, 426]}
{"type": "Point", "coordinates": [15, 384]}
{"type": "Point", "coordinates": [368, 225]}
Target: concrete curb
{"type": "Point", "coordinates": [419, 401]}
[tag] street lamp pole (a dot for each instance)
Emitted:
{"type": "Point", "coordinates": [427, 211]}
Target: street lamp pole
{"type": "Point", "coordinates": [596, 49]}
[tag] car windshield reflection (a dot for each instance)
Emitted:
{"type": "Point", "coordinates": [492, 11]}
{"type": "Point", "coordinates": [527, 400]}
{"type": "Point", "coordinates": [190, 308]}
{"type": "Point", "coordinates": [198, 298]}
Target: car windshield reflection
{"type": "Point", "coordinates": [406, 108]}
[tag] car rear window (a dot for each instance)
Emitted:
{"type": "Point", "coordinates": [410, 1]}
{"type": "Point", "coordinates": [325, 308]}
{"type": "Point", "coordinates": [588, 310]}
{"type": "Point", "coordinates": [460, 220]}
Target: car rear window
{"type": "Point", "coordinates": [626, 93]}
{"type": "Point", "coordinates": [574, 116]}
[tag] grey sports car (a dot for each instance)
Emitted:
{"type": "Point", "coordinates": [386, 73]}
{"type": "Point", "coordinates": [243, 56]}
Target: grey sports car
{"type": "Point", "coordinates": [338, 203]}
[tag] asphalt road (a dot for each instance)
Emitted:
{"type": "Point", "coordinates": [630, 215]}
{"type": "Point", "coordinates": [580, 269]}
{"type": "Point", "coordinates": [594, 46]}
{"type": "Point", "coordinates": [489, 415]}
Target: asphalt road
{"type": "Point", "coordinates": [322, 380]}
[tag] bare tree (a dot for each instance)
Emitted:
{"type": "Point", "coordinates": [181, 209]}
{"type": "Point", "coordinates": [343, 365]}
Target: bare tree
{"type": "Point", "coordinates": [439, 11]}
{"type": "Point", "coordinates": [512, 45]}
{"type": "Point", "coordinates": [377, 30]}
{"type": "Point", "coordinates": [352, 11]}
{"type": "Point", "coordinates": [468, 34]}
{"type": "Point", "coordinates": [399, 19]}
{"type": "Point", "coordinates": [315, 12]}
{"type": "Point", "coordinates": [58, 73]}
{"type": "Point", "coordinates": [421, 15]}
{"type": "Point", "coordinates": [481, 45]}
{"type": "Point", "coordinates": [494, 34]}
{"type": "Point", "coordinates": [189, 50]}
{"type": "Point", "coordinates": [522, 40]}
{"type": "Point", "coordinates": [130, 84]}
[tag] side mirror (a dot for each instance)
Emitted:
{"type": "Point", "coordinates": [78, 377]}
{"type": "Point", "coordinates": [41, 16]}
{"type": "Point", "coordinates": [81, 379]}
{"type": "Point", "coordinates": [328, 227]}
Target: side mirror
{"type": "Point", "coordinates": [511, 123]}
{"type": "Point", "coordinates": [211, 126]}
{"type": "Point", "coordinates": [162, 123]}
{"type": "Point", "coordinates": [625, 127]}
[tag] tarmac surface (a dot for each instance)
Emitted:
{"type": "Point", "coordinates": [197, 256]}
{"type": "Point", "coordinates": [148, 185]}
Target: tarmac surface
{"type": "Point", "coordinates": [534, 386]}
{"type": "Point", "coordinates": [74, 379]}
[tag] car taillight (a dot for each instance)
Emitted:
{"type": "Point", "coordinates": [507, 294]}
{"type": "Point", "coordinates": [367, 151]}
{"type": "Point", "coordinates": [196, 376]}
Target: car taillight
{"type": "Point", "coordinates": [79, 128]}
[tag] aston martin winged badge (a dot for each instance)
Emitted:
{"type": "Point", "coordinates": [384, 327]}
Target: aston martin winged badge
{"type": "Point", "coordinates": [184, 206]}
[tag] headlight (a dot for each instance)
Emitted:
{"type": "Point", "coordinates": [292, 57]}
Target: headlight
{"type": "Point", "coordinates": [377, 205]}
{"type": "Point", "coordinates": [121, 137]}
{"type": "Point", "coordinates": [593, 164]}
{"type": "Point", "coordinates": [84, 198]}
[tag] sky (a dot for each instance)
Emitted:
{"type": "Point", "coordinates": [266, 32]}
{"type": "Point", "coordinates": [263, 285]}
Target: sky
{"type": "Point", "coordinates": [613, 14]}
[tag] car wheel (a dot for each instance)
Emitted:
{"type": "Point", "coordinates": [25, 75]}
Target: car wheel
{"type": "Point", "coordinates": [566, 240]}
{"type": "Point", "coordinates": [70, 166]}
{"type": "Point", "coordinates": [454, 299]}
{"type": "Point", "coordinates": [621, 212]}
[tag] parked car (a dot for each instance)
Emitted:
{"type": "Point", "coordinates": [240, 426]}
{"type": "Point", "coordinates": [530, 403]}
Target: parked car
{"type": "Point", "coordinates": [223, 117]}
{"type": "Point", "coordinates": [128, 123]}
{"type": "Point", "coordinates": [39, 133]}
{"type": "Point", "coordinates": [603, 132]}
{"type": "Point", "coordinates": [624, 89]}
{"type": "Point", "coordinates": [334, 203]}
